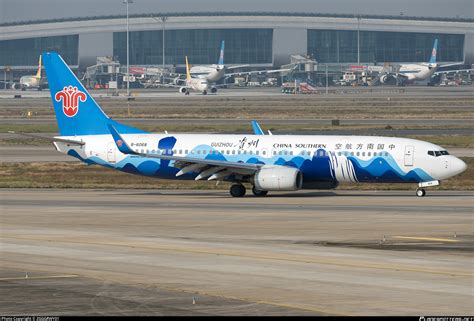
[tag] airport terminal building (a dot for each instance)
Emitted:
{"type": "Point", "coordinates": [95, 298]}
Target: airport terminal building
{"type": "Point", "coordinates": [260, 36]}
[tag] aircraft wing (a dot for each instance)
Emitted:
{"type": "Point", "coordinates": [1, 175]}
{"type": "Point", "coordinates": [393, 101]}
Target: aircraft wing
{"type": "Point", "coordinates": [257, 130]}
{"type": "Point", "coordinates": [452, 64]}
{"type": "Point", "coordinates": [51, 139]}
{"type": "Point", "coordinates": [214, 169]}
{"type": "Point", "coordinates": [227, 75]}
{"type": "Point", "coordinates": [453, 71]}
{"type": "Point", "coordinates": [236, 67]}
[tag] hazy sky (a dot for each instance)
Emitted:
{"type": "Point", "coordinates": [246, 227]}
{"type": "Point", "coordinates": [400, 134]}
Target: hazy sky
{"type": "Point", "coordinates": [21, 10]}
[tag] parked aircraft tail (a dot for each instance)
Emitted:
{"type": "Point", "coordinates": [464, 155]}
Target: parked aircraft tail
{"type": "Point", "coordinates": [38, 73]}
{"type": "Point", "coordinates": [221, 55]}
{"type": "Point", "coordinates": [188, 73]}
{"type": "Point", "coordinates": [434, 52]}
{"type": "Point", "coordinates": [77, 113]}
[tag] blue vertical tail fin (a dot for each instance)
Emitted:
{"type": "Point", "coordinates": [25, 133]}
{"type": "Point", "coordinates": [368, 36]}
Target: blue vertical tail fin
{"type": "Point", "coordinates": [77, 113]}
{"type": "Point", "coordinates": [434, 52]}
{"type": "Point", "coordinates": [221, 55]}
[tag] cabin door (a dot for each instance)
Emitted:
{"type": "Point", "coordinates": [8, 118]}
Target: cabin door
{"type": "Point", "coordinates": [111, 148]}
{"type": "Point", "coordinates": [409, 155]}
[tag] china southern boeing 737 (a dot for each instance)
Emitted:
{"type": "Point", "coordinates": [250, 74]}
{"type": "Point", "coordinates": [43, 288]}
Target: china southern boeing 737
{"type": "Point", "coordinates": [267, 162]}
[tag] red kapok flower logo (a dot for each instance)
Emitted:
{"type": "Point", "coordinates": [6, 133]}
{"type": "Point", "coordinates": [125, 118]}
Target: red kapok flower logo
{"type": "Point", "coordinates": [70, 97]}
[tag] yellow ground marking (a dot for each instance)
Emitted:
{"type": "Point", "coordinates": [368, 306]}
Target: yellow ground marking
{"type": "Point", "coordinates": [39, 277]}
{"type": "Point", "coordinates": [434, 239]}
{"type": "Point", "coordinates": [261, 256]}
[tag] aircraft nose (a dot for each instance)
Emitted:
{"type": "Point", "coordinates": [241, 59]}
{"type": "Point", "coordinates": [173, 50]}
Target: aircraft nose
{"type": "Point", "coordinates": [458, 166]}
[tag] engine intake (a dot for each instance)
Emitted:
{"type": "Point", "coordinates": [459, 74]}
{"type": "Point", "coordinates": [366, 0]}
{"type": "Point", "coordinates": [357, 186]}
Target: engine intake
{"type": "Point", "coordinates": [278, 178]}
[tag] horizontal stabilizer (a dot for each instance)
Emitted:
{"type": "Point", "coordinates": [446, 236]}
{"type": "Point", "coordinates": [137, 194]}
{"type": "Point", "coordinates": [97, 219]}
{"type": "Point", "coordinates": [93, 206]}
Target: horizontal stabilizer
{"type": "Point", "coordinates": [51, 139]}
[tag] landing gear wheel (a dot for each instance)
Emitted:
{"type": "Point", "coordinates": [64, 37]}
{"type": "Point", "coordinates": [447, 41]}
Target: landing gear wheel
{"type": "Point", "coordinates": [258, 192]}
{"type": "Point", "coordinates": [420, 192]}
{"type": "Point", "coordinates": [237, 190]}
{"type": "Point", "coordinates": [204, 92]}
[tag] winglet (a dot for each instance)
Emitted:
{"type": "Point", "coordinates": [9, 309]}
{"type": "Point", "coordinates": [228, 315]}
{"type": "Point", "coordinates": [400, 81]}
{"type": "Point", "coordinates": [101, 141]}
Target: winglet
{"type": "Point", "coordinates": [257, 130]}
{"type": "Point", "coordinates": [188, 74]}
{"type": "Point", "coordinates": [120, 142]}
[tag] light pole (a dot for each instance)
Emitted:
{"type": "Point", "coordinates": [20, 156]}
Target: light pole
{"type": "Point", "coordinates": [358, 40]}
{"type": "Point", "coordinates": [163, 19]}
{"type": "Point", "coordinates": [128, 53]}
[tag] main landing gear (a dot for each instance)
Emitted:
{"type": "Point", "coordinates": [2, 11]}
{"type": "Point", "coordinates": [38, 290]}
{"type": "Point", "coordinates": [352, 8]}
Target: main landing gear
{"type": "Point", "coordinates": [258, 192]}
{"type": "Point", "coordinates": [420, 192]}
{"type": "Point", "coordinates": [239, 190]}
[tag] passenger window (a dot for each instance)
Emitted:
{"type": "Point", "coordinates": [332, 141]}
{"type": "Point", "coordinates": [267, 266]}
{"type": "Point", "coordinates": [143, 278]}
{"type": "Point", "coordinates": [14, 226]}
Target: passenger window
{"type": "Point", "coordinates": [264, 153]}
{"type": "Point", "coordinates": [250, 152]}
{"type": "Point", "coordinates": [358, 153]}
{"type": "Point", "coordinates": [369, 154]}
{"type": "Point", "coordinates": [256, 153]}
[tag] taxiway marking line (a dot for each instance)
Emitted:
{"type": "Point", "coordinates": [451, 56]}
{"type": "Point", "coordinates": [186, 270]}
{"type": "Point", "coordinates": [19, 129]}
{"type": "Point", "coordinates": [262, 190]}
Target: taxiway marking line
{"type": "Point", "coordinates": [253, 255]}
{"type": "Point", "coordinates": [434, 239]}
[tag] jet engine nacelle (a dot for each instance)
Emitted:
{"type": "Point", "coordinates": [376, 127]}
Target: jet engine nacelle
{"type": "Point", "coordinates": [278, 178]}
{"type": "Point", "coordinates": [183, 90]}
{"type": "Point", "coordinates": [386, 78]}
{"type": "Point", "coordinates": [213, 90]}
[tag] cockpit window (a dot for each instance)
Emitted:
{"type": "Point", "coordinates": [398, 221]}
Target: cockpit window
{"type": "Point", "coordinates": [437, 153]}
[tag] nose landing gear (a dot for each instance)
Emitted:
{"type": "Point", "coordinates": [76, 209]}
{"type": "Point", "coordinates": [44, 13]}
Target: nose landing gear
{"type": "Point", "coordinates": [420, 192]}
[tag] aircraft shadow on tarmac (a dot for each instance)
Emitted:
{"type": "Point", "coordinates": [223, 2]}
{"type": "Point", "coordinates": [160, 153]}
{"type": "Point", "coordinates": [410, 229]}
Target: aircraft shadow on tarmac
{"type": "Point", "coordinates": [224, 194]}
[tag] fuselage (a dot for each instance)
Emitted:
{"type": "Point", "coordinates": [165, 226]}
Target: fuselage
{"type": "Point", "coordinates": [319, 158]}
{"type": "Point", "coordinates": [212, 73]}
{"type": "Point", "coordinates": [198, 84]}
{"type": "Point", "coordinates": [30, 81]}
{"type": "Point", "coordinates": [420, 71]}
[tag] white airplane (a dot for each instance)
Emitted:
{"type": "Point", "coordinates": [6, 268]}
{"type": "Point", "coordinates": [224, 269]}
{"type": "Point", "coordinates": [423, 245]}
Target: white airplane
{"type": "Point", "coordinates": [195, 84]}
{"type": "Point", "coordinates": [416, 72]}
{"type": "Point", "coordinates": [266, 162]}
{"type": "Point", "coordinates": [36, 81]}
{"type": "Point", "coordinates": [214, 73]}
